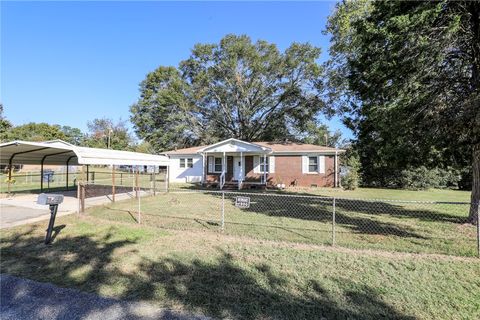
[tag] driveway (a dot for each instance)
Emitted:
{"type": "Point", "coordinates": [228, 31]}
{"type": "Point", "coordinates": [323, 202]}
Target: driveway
{"type": "Point", "coordinates": [22, 209]}
{"type": "Point", "coordinates": [27, 299]}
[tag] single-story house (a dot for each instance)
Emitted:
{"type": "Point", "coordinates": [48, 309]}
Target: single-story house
{"type": "Point", "coordinates": [234, 163]}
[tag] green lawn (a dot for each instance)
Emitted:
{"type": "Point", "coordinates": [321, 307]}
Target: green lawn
{"type": "Point", "coordinates": [365, 193]}
{"type": "Point", "coordinates": [227, 276]}
{"type": "Point", "coordinates": [364, 224]}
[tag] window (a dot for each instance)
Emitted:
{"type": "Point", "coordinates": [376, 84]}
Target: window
{"type": "Point", "coordinates": [218, 165]}
{"type": "Point", "coordinates": [264, 164]}
{"type": "Point", "coordinates": [186, 162]}
{"type": "Point", "coordinates": [312, 164]}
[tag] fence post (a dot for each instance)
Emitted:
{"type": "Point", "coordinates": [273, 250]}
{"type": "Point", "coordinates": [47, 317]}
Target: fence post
{"type": "Point", "coordinates": [223, 211]}
{"type": "Point", "coordinates": [333, 222]}
{"type": "Point", "coordinates": [139, 210]}
{"type": "Point", "coordinates": [154, 184]}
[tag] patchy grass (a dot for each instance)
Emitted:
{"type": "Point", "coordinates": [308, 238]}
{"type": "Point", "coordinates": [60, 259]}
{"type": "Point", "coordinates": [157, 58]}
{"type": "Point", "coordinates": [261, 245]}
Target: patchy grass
{"type": "Point", "coordinates": [361, 193]}
{"type": "Point", "coordinates": [395, 226]}
{"type": "Point", "coordinates": [228, 276]}
{"type": "Point", "coordinates": [392, 194]}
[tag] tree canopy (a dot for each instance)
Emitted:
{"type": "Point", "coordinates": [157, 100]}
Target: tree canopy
{"type": "Point", "coordinates": [105, 133]}
{"type": "Point", "coordinates": [236, 88]}
{"type": "Point", "coordinates": [406, 76]}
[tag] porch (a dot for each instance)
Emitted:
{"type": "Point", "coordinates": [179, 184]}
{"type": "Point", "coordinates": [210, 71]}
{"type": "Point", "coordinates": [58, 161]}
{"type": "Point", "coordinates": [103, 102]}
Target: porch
{"type": "Point", "coordinates": [235, 165]}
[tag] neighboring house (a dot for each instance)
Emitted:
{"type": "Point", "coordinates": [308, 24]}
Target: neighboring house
{"type": "Point", "coordinates": [238, 164]}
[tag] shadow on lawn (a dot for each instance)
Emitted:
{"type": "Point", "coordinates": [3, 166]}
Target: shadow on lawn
{"type": "Point", "coordinates": [218, 287]}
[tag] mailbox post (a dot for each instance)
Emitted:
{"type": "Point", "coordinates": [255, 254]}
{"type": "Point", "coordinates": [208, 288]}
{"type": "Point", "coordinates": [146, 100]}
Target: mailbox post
{"type": "Point", "coordinates": [53, 200]}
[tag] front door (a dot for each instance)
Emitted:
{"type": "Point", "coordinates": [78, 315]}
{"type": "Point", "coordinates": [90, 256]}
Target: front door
{"type": "Point", "coordinates": [237, 169]}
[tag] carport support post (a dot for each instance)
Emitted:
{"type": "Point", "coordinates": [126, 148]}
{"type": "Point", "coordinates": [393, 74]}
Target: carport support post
{"type": "Point", "coordinates": [66, 177]}
{"type": "Point", "coordinates": [10, 174]}
{"type": "Point", "coordinates": [113, 183]}
{"type": "Point", "coordinates": [41, 175]}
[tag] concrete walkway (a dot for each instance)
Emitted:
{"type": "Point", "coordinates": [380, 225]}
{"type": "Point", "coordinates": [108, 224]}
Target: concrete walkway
{"type": "Point", "coordinates": [22, 209]}
{"type": "Point", "coordinates": [27, 299]}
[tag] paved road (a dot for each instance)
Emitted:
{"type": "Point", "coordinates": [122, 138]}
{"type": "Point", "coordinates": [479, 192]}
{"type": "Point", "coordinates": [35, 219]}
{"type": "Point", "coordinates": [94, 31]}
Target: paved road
{"type": "Point", "coordinates": [27, 299]}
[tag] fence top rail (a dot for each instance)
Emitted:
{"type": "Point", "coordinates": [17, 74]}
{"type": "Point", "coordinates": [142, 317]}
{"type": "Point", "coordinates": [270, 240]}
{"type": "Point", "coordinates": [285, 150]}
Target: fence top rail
{"type": "Point", "coordinates": [271, 194]}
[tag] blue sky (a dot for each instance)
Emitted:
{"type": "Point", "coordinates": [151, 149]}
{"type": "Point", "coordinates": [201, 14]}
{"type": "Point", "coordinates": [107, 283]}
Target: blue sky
{"type": "Point", "coordinates": [70, 62]}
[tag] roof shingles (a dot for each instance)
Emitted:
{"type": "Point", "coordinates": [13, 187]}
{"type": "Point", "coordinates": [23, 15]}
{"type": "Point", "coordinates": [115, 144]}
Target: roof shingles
{"type": "Point", "coordinates": [275, 146]}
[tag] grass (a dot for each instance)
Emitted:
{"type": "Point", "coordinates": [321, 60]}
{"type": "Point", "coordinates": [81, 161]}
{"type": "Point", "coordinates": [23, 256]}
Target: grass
{"type": "Point", "coordinates": [364, 193]}
{"type": "Point", "coordinates": [364, 224]}
{"type": "Point", "coordinates": [226, 276]}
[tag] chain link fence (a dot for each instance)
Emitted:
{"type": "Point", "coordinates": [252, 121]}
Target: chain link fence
{"type": "Point", "coordinates": [389, 225]}
{"type": "Point", "coordinates": [101, 188]}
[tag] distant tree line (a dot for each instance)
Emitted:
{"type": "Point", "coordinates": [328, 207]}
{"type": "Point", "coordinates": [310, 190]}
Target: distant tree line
{"type": "Point", "coordinates": [102, 133]}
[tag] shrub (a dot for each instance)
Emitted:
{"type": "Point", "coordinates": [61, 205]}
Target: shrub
{"type": "Point", "coordinates": [350, 171]}
{"type": "Point", "coordinates": [423, 178]}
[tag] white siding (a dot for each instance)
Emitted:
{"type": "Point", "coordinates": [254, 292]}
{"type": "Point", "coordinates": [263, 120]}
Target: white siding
{"type": "Point", "coordinates": [177, 174]}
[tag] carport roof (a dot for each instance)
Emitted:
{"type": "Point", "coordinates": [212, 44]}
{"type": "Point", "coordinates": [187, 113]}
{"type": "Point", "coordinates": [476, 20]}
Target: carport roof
{"type": "Point", "coordinates": [58, 152]}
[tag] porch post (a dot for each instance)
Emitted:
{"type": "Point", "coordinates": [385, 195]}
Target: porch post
{"type": "Point", "coordinates": [224, 166]}
{"type": "Point", "coordinates": [66, 177]}
{"type": "Point", "coordinates": [204, 175]}
{"type": "Point", "coordinates": [264, 168]}
{"type": "Point", "coordinates": [241, 171]}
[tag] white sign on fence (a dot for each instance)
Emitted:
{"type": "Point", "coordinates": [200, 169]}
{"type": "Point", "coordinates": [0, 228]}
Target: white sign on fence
{"type": "Point", "coordinates": [242, 202]}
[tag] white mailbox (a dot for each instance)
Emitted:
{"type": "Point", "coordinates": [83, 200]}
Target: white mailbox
{"type": "Point", "coordinates": [50, 199]}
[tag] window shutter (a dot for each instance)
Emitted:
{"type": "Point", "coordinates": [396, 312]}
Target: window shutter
{"type": "Point", "coordinates": [271, 164]}
{"type": "Point", "coordinates": [210, 164]}
{"type": "Point", "coordinates": [321, 164]}
{"type": "Point", "coordinates": [256, 164]}
{"type": "Point", "coordinates": [304, 164]}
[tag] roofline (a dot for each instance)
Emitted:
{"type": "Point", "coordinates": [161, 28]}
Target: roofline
{"type": "Point", "coordinates": [310, 151]}
{"type": "Point", "coordinates": [237, 140]}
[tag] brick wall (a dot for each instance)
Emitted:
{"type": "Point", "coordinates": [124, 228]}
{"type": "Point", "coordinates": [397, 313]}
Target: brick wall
{"type": "Point", "coordinates": [289, 168]}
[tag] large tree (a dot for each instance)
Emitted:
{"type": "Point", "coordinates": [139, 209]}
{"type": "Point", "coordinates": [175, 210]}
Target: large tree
{"type": "Point", "coordinates": [105, 133]}
{"type": "Point", "coordinates": [33, 131]}
{"type": "Point", "coordinates": [236, 88]}
{"type": "Point", "coordinates": [5, 126]}
{"type": "Point", "coordinates": [407, 77]}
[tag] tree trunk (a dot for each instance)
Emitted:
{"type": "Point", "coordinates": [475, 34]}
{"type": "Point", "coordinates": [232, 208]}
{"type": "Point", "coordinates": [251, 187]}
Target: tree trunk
{"type": "Point", "coordinates": [475, 26]}
{"type": "Point", "coordinates": [475, 197]}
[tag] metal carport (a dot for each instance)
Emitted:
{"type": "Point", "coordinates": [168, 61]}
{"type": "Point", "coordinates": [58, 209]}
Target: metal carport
{"type": "Point", "coordinates": [58, 152]}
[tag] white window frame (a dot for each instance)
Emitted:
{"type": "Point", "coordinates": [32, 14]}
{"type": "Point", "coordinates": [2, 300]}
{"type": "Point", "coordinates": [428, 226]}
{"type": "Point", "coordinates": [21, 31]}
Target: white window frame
{"type": "Point", "coordinates": [261, 164]}
{"type": "Point", "coordinates": [317, 164]}
{"type": "Point", "coordinates": [189, 163]}
{"type": "Point", "coordinates": [215, 165]}
{"type": "Point", "coordinates": [183, 163]}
